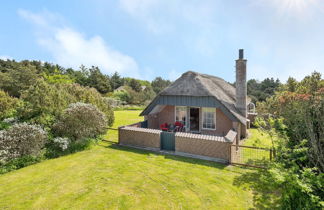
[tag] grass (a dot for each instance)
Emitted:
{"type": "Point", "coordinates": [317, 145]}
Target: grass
{"type": "Point", "coordinates": [124, 117]}
{"type": "Point", "coordinates": [258, 138]}
{"type": "Point", "coordinates": [257, 157]}
{"type": "Point", "coordinates": [114, 177]}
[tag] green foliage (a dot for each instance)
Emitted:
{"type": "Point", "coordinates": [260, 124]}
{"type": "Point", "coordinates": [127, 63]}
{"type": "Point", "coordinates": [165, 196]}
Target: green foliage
{"type": "Point", "coordinates": [122, 95]}
{"type": "Point", "coordinates": [17, 79]}
{"type": "Point", "coordinates": [8, 105]}
{"type": "Point", "coordinates": [116, 81]}
{"type": "Point", "coordinates": [135, 85]}
{"type": "Point", "coordinates": [19, 163]}
{"type": "Point", "coordinates": [4, 125]}
{"type": "Point", "coordinates": [78, 93]}
{"type": "Point", "coordinates": [98, 80]}
{"type": "Point", "coordinates": [291, 84]}
{"type": "Point", "coordinates": [133, 97]}
{"type": "Point", "coordinates": [80, 121]}
{"type": "Point", "coordinates": [80, 77]}
{"type": "Point", "coordinates": [53, 150]}
{"type": "Point", "coordinates": [58, 79]}
{"type": "Point", "coordinates": [44, 102]}
{"type": "Point", "coordinates": [297, 111]}
{"type": "Point", "coordinates": [259, 91]}
{"type": "Point", "coordinates": [158, 84]}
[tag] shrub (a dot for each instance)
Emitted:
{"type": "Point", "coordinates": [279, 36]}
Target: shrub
{"type": "Point", "coordinates": [21, 140]}
{"type": "Point", "coordinates": [90, 96]}
{"type": "Point", "coordinates": [17, 78]}
{"type": "Point", "coordinates": [62, 142]}
{"type": "Point", "coordinates": [19, 163]}
{"type": "Point", "coordinates": [44, 102]}
{"type": "Point", "coordinates": [80, 121]}
{"type": "Point", "coordinates": [7, 105]}
{"type": "Point", "coordinates": [56, 147]}
{"type": "Point", "coordinates": [4, 125]}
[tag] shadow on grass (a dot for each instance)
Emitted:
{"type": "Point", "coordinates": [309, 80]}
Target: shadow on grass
{"type": "Point", "coordinates": [167, 156]}
{"type": "Point", "coordinates": [265, 194]}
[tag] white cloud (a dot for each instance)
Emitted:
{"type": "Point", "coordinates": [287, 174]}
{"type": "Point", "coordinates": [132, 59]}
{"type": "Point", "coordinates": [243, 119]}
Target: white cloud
{"type": "Point", "coordinates": [71, 48]}
{"type": "Point", "coordinates": [300, 9]}
{"type": "Point", "coordinates": [5, 57]}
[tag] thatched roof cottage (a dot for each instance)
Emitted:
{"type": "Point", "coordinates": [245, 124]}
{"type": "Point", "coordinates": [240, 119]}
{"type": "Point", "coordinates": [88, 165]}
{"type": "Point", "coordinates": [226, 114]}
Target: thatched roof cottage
{"type": "Point", "coordinates": [203, 103]}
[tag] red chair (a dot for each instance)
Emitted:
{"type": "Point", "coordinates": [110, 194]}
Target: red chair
{"type": "Point", "coordinates": [179, 126]}
{"type": "Point", "coordinates": [164, 127]}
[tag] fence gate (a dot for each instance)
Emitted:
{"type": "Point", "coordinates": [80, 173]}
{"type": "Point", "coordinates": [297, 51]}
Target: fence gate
{"type": "Point", "coordinates": [167, 140]}
{"type": "Point", "coordinates": [251, 156]}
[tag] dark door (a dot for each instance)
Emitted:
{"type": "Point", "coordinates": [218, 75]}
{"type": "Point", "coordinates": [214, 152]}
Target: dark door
{"type": "Point", "coordinates": [194, 119]}
{"type": "Point", "coordinates": [167, 140]}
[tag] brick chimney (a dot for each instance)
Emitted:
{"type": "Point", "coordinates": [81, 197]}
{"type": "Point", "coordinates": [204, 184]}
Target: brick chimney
{"type": "Point", "coordinates": [241, 91]}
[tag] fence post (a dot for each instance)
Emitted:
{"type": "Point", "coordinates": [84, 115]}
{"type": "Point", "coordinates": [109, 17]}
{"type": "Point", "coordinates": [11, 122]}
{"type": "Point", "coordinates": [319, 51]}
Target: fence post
{"type": "Point", "coordinates": [230, 153]}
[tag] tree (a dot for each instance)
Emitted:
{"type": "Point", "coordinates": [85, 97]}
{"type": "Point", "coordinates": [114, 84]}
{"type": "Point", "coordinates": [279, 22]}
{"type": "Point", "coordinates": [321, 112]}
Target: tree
{"type": "Point", "coordinates": [98, 80]}
{"type": "Point", "coordinates": [44, 102]}
{"type": "Point", "coordinates": [299, 163]}
{"type": "Point", "coordinates": [80, 121]}
{"type": "Point", "coordinates": [135, 85]}
{"type": "Point", "coordinates": [116, 81]}
{"type": "Point", "coordinates": [259, 91]}
{"type": "Point", "coordinates": [8, 105]}
{"type": "Point", "coordinates": [158, 84]}
{"type": "Point", "coordinates": [80, 77]}
{"type": "Point", "coordinates": [291, 84]}
{"type": "Point", "coordinates": [17, 79]}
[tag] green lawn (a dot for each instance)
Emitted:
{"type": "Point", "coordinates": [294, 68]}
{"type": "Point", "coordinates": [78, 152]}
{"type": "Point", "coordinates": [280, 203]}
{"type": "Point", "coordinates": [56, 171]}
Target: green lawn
{"type": "Point", "coordinates": [258, 139]}
{"type": "Point", "coordinates": [123, 118]}
{"type": "Point", "coordinates": [114, 177]}
{"type": "Point", "coordinates": [257, 157]}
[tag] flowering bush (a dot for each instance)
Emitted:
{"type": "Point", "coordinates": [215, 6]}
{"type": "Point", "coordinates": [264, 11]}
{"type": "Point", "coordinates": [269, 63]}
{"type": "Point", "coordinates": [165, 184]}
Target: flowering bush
{"type": "Point", "coordinates": [63, 143]}
{"type": "Point", "coordinates": [20, 140]}
{"type": "Point", "coordinates": [80, 121]}
{"type": "Point", "coordinates": [10, 120]}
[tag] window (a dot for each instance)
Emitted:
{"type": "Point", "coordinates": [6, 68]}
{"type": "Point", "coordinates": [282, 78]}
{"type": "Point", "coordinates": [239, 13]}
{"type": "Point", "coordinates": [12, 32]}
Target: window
{"type": "Point", "coordinates": [181, 114]}
{"type": "Point", "coordinates": [209, 118]}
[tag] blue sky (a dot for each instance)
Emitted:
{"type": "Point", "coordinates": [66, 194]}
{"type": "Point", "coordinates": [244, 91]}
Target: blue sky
{"type": "Point", "coordinates": [149, 38]}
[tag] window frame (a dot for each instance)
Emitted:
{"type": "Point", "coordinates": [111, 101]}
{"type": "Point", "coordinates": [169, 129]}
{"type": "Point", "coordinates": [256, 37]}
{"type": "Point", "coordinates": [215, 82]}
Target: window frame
{"type": "Point", "coordinates": [203, 117]}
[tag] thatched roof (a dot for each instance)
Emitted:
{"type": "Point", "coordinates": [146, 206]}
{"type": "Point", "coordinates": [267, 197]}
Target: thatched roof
{"type": "Point", "coordinates": [196, 84]}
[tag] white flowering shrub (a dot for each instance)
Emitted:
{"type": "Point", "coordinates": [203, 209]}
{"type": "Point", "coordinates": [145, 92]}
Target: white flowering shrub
{"type": "Point", "coordinates": [20, 140]}
{"type": "Point", "coordinates": [80, 121]}
{"type": "Point", "coordinates": [10, 120]}
{"type": "Point", "coordinates": [62, 142]}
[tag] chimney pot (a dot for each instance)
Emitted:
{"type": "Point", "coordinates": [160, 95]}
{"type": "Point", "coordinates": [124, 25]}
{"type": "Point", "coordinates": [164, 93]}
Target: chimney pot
{"type": "Point", "coordinates": [241, 53]}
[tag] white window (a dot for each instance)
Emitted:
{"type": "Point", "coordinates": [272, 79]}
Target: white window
{"type": "Point", "coordinates": [181, 114]}
{"type": "Point", "coordinates": [209, 118]}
